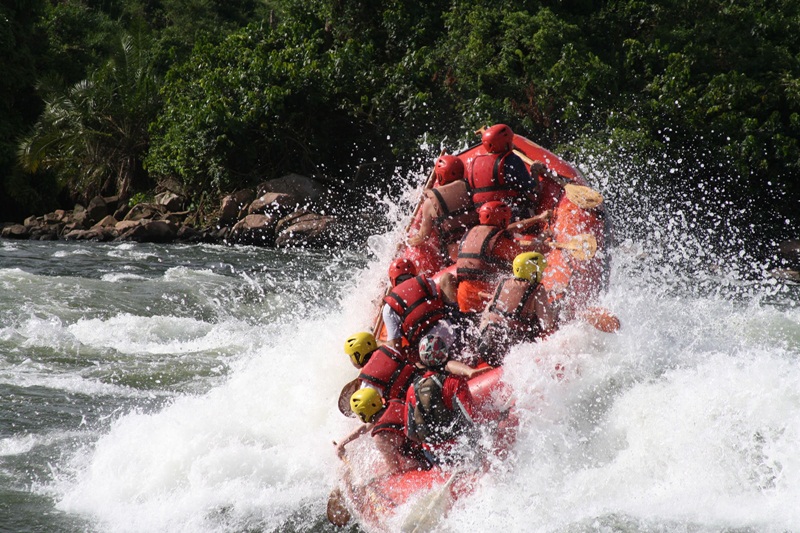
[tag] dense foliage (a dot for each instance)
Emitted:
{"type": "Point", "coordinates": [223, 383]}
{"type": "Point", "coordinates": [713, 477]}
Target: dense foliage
{"type": "Point", "coordinates": [701, 91]}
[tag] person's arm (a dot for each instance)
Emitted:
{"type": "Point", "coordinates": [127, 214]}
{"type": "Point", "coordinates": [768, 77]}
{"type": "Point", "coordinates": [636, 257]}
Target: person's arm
{"type": "Point", "coordinates": [448, 286]}
{"type": "Point", "coordinates": [508, 248]}
{"type": "Point", "coordinates": [340, 447]}
{"type": "Point", "coordinates": [394, 333]}
{"type": "Point", "coordinates": [546, 311]}
{"type": "Point", "coordinates": [426, 224]}
{"type": "Point", "coordinates": [521, 226]}
{"type": "Point", "coordinates": [457, 368]}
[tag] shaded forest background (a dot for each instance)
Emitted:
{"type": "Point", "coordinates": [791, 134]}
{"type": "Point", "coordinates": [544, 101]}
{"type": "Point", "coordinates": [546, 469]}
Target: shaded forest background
{"type": "Point", "coordinates": [114, 96]}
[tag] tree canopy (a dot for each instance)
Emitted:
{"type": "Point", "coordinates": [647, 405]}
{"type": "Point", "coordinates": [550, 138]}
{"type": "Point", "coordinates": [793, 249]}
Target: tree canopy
{"type": "Point", "coordinates": [250, 90]}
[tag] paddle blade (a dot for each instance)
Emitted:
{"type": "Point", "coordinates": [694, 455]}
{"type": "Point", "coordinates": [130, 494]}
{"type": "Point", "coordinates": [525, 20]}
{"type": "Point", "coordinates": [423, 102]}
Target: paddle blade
{"type": "Point", "coordinates": [582, 196]}
{"type": "Point", "coordinates": [429, 510]}
{"type": "Point", "coordinates": [602, 319]}
{"type": "Point", "coordinates": [338, 515]}
{"type": "Point", "coordinates": [344, 397]}
{"type": "Point", "coordinates": [582, 247]}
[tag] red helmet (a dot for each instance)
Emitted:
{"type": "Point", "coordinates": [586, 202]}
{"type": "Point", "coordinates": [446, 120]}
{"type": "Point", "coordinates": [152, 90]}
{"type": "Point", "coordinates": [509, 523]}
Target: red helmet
{"type": "Point", "coordinates": [401, 267]}
{"type": "Point", "coordinates": [498, 138]}
{"type": "Point", "coordinates": [448, 169]}
{"type": "Point", "coordinates": [494, 213]}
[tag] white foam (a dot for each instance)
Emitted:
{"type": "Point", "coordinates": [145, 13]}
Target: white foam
{"type": "Point", "coordinates": [260, 443]}
{"type": "Point", "coordinates": [687, 418]}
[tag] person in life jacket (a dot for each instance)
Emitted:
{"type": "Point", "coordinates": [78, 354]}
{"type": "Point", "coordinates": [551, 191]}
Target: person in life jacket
{"type": "Point", "coordinates": [519, 311]}
{"type": "Point", "coordinates": [447, 211]}
{"type": "Point", "coordinates": [500, 174]}
{"type": "Point", "coordinates": [384, 371]}
{"type": "Point", "coordinates": [440, 413]}
{"type": "Point", "coordinates": [487, 250]}
{"type": "Point", "coordinates": [382, 367]}
{"type": "Point", "coordinates": [384, 421]}
{"type": "Point", "coordinates": [416, 305]}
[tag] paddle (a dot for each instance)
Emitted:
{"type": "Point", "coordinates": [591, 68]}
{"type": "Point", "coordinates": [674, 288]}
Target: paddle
{"type": "Point", "coordinates": [580, 195]}
{"type": "Point", "coordinates": [601, 318]}
{"type": "Point", "coordinates": [344, 397]}
{"type": "Point", "coordinates": [583, 246]}
{"type": "Point", "coordinates": [337, 512]}
{"type": "Point", "coordinates": [428, 511]}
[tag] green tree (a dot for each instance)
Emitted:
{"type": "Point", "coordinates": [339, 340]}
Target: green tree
{"type": "Point", "coordinates": [20, 51]}
{"type": "Point", "coordinates": [264, 102]}
{"type": "Point", "coordinates": [94, 135]}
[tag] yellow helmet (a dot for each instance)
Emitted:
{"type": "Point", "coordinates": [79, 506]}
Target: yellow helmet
{"type": "Point", "coordinates": [529, 266]}
{"type": "Point", "coordinates": [365, 403]}
{"type": "Point", "coordinates": [359, 346]}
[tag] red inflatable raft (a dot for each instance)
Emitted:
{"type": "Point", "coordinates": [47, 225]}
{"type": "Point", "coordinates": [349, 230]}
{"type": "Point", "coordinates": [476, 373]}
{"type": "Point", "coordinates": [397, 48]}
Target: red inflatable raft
{"type": "Point", "coordinates": [576, 274]}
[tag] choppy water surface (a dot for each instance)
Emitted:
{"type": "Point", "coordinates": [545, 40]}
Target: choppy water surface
{"type": "Point", "coordinates": [193, 388]}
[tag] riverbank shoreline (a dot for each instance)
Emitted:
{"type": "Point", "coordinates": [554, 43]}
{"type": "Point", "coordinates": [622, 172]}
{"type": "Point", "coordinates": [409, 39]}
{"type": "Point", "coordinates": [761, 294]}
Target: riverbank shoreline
{"type": "Point", "coordinates": [292, 211]}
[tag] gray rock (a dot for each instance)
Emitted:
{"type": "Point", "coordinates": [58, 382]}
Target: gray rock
{"type": "Point", "coordinates": [273, 203]}
{"type": "Point", "coordinates": [145, 211]}
{"type": "Point", "coordinates": [158, 231]}
{"type": "Point", "coordinates": [307, 229]}
{"type": "Point", "coordinates": [107, 221]}
{"type": "Point", "coordinates": [254, 229]}
{"type": "Point", "coordinates": [234, 206]}
{"type": "Point", "coordinates": [97, 209]}
{"type": "Point", "coordinates": [170, 201]}
{"type": "Point", "coordinates": [294, 185]}
{"type": "Point", "coordinates": [16, 231]}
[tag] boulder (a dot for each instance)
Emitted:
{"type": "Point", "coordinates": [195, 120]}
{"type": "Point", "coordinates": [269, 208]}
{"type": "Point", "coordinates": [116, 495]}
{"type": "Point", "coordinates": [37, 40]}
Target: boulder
{"type": "Point", "coordinates": [79, 215]}
{"type": "Point", "coordinates": [45, 232]}
{"type": "Point", "coordinates": [112, 203]}
{"type": "Point", "coordinates": [294, 185]}
{"type": "Point", "coordinates": [55, 217]}
{"type": "Point", "coordinates": [94, 234]}
{"type": "Point", "coordinates": [235, 205]}
{"type": "Point", "coordinates": [159, 231]}
{"type": "Point", "coordinates": [16, 231]}
{"type": "Point", "coordinates": [107, 221]}
{"type": "Point", "coordinates": [188, 234]}
{"type": "Point", "coordinates": [273, 203]}
{"type": "Point", "coordinates": [124, 225]}
{"type": "Point", "coordinates": [170, 201]}
{"type": "Point", "coordinates": [122, 211]}
{"type": "Point", "coordinates": [96, 209]}
{"type": "Point", "coordinates": [145, 211]}
{"type": "Point", "coordinates": [303, 229]}
{"type": "Point", "coordinates": [254, 229]}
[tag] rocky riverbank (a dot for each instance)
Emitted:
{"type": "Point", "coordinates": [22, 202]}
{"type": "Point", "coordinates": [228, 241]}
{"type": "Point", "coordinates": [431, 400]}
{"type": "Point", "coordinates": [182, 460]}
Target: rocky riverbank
{"type": "Point", "coordinates": [293, 211]}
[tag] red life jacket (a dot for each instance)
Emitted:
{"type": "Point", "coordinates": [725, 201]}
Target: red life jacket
{"type": "Point", "coordinates": [454, 209]}
{"type": "Point", "coordinates": [417, 305]}
{"type": "Point", "coordinates": [391, 421]}
{"type": "Point", "coordinates": [486, 176]}
{"type": "Point", "coordinates": [508, 307]}
{"type": "Point", "coordinates": [428, 420]}
{"type": "Point", "coordinates": [475, 260]}
{"type": "Point", "coordinates": [392, 418]}
{"type": "Point", "coordinates": [388, 370]}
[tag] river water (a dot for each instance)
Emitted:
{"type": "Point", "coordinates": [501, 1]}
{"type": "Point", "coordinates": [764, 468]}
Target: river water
{"type": "Point", "coordinates": [148, 388]}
